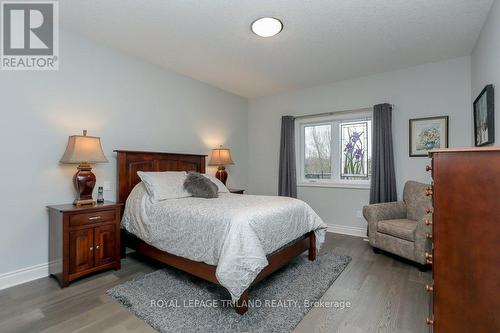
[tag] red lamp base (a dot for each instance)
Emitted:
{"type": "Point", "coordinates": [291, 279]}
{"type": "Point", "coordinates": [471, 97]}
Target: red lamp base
{"type": "Point", "coordinates": [84, 181]}
{"type": "Point", "coordinates": [221, 174]}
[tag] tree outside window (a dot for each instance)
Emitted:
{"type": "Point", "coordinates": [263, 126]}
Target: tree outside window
{"type": "Point", "coordinates": [317, 151]}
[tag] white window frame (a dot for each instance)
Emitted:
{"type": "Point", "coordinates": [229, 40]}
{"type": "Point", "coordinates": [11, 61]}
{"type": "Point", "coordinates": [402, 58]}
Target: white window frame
{"type": "Point", "coordinates": [335, 149]}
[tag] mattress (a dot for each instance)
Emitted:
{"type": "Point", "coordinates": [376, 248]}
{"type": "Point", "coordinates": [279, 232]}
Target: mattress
{"type": "Point", "coordinates": [233, 232]}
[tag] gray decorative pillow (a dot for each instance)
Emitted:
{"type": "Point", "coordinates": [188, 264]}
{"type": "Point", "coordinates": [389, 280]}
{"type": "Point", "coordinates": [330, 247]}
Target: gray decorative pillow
{"type": "Point", "coordinates": [200, 186]}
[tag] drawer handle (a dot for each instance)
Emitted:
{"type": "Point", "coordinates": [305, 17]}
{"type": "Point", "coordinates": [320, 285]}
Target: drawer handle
{"type": "Point", "coordinates": [428, 168]}
{"type": "Point", "coordinates": [428, 222]}
{"type": "Point", "coordinates": [97, 247]}
{"type": "Point", "coordinates": [429, 288]}
{"type": "Point", "coordinates": [429, 236]}
{"type": "Point", "coordinates": [428, 258]}
{"type": "Point", "coordinates": [429, 321]}
{"type": "Point", "coordinates": [94, 218]}
{"type": "Point", "coordinates": [91, 249]}
{"type": "Point", "coordinates": [429, 191]}
{"type": "Point", "coordinates": [429, 210]}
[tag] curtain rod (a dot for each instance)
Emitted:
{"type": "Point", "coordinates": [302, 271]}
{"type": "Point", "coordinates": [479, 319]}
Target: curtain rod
{"type": "Point", "coordinates": [334, 113]}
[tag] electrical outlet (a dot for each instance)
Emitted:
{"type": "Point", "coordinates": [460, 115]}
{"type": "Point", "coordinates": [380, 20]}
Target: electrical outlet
{"type": "Point", "coordinates": [107, 185]}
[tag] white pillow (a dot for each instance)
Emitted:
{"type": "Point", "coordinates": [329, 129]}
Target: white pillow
{"type": "Point", "coordinates": [222, 188]}
{"type": "Point", "coordinates": [164, 185]}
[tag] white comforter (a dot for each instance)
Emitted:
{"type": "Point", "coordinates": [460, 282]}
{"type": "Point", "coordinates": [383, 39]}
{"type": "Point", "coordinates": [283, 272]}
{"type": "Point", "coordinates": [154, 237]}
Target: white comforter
{"type": "Point", "coordinates": [233, 232]}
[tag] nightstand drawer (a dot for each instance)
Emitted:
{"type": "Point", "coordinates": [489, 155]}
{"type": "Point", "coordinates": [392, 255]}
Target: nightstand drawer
{"type": "Point", "coordinates": [89, 218]}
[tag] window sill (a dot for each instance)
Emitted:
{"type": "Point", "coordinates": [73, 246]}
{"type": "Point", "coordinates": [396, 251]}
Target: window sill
{"type": "Point", "coordinates": [336, 185]}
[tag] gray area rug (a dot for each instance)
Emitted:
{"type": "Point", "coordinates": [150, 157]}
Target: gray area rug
{"type": "Point", "coordinates": [172, 301]}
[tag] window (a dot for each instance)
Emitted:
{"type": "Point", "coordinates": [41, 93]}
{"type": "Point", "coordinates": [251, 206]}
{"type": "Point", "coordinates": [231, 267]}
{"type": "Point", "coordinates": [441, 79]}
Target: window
{"type": "Point", "coordinates": [334, 150]}
{"type": "Point", "coordinates": [354, 144]}
{"type": "Point", "coordinates": [317, 151]}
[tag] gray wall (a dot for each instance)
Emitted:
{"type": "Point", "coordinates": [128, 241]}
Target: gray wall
{"type": "Point", "coordinates": [128, 103]}
{"type": "Point", "coordinates": [429, 90]}
{"type": "Point", "coordinates": [486, 61]}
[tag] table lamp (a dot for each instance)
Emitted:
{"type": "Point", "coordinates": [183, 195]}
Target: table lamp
{"type": "Point", "coordinates": [84, 150]}
{"type": "Point", "coordinates": [221, 157]}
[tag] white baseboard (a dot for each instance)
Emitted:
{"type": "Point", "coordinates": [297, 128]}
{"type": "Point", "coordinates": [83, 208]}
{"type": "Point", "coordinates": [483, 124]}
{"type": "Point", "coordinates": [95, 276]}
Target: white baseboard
{"type": "Point", "coordinates": [347, 230]}
{"type": "Point", "coordinates": [27, 274]}
{"type": "Point", "coordinates": [23, 275]}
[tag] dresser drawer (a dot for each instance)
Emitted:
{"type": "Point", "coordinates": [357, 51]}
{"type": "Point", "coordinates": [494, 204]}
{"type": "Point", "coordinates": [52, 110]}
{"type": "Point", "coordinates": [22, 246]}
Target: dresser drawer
{"type": "Point", "coordinates": [90, 218]}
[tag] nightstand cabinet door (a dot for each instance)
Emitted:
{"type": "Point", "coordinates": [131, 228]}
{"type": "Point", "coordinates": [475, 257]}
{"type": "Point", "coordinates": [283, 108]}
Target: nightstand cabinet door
{"type": "Point", "coordinates": [81, 250]}
{"type": "Point", "coordinates": [104, 244]}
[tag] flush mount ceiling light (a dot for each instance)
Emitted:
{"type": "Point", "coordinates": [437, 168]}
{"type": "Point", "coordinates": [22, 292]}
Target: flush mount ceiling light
{"type": "Point", "coordinates": [267, 27]}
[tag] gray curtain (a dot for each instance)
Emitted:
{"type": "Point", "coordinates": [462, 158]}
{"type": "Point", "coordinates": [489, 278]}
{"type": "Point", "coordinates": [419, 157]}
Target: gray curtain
{"type": "Point", "coordinates": [287, 173]}
{"type": "Point", "coordinates": [383, 183]}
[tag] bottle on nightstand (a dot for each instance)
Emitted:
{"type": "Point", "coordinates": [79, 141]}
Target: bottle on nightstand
{"type": "Point", "coordinates": [100, 195]}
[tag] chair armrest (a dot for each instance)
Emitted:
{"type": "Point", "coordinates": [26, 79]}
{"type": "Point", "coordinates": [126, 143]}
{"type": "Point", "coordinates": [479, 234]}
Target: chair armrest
{"type": "Point", "coordinates": [385, 211]}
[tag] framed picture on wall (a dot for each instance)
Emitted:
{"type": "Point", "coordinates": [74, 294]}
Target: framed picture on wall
{"type": "Point", "coordinates": [427, 134]}
{"type": "Point", "coordinates": [484, 117]}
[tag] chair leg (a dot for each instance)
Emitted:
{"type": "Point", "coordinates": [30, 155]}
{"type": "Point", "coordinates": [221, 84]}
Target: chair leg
{"type": "Point", "coordinates": [421, 267]}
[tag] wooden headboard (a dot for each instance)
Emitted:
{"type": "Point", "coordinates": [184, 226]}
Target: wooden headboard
{"type": "Point", "coordinates": [129, 162]}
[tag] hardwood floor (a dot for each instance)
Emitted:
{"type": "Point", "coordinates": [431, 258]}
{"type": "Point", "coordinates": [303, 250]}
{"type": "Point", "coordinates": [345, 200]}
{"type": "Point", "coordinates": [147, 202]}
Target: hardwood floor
{"type": "Point", "coordinates": [386, 295]}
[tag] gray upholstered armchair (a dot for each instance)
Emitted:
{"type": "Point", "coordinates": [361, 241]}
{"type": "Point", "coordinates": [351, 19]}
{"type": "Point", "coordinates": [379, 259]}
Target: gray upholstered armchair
{"type": "Point", "coordinates": [399, 227]}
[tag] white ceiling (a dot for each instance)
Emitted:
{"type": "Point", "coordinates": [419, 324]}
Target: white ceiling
{"type": "Point", "coordinates": [322, 41]}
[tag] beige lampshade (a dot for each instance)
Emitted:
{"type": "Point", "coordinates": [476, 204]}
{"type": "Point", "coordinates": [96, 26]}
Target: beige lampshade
{"type": "Point", "coordinates": [220, 156]}
{"type": "Point", "coordinates": [83, 149]}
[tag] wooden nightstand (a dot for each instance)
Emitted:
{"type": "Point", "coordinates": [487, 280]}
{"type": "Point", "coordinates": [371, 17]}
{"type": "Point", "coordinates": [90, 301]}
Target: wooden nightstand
{"type": "Point", "coordinates": [83, 240]}
{"type": "Point", "coordinates": [236, 191]}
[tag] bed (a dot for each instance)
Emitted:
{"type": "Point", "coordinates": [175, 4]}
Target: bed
{"type": "Point", "coordinates": [233, 241]}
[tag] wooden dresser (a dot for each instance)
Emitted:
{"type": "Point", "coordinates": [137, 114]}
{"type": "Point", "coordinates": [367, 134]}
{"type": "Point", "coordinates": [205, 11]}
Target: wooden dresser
{"type": "Point", "coordinates": [465, 258]}
{"type": "Point", "coordinates": [83, 240]}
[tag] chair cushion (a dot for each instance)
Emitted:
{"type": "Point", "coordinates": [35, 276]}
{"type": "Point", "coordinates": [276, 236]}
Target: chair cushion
{"type": "Point", "coordinates": [401, 228]}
